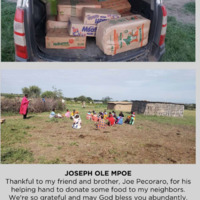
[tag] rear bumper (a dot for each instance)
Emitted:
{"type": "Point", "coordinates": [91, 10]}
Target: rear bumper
{"type": "Point", "coordinates": [152, 54]}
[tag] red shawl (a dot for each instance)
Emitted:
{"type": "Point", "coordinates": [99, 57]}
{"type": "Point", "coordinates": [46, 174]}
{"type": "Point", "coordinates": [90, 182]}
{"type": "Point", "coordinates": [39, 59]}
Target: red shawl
{"type": "Point", "coordinates": [24, 106]}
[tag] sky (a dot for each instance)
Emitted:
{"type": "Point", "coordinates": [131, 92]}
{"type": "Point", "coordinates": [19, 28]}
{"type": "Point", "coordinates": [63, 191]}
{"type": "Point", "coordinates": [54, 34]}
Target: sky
{"type": "Point", "coordinates": [177, 86]}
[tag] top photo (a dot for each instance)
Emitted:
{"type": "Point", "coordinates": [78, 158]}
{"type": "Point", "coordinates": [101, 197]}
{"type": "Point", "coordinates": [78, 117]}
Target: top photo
{"type": "Point", "coordinates": [98, 30]}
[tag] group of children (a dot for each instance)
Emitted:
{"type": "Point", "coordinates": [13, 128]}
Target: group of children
{"type": "Point", "coordinates": [102, 119]}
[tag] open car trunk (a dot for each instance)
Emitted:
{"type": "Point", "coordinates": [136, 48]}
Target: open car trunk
{"type": "Point", "coordinates": [92, 52]}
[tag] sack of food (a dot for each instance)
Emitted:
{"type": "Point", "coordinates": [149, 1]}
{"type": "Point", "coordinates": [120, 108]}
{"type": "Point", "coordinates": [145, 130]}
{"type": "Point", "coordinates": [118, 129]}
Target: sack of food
{"type": "Point", "coordinates": [123, 34]}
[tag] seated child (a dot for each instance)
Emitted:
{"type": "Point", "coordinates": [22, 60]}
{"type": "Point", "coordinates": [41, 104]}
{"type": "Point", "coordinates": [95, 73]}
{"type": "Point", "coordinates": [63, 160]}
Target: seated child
{"type": "Point", "coordinates": [53, 114]}
{"type": "Point", "coordinates": [132, 120]}
{"type": "Point", "coordinates": [73, 114]}
{"type": "Point", "coordinates": [105, 115]}
{"type": "Point", "coordinates": [76, 122]}
{"type": "Point", "coordinates": [111, 120]}
{"type": "Point", "coordinates": [67, 114]}
{"type": "Point", "coordinates": [127, 121]}
{"type": "Point", "coordinates": [94, 117]}
{"type": "Point", "coordinates": [101, 123]}
{"type": "Point", "coordinates": [89, 115]}
{"type": "Point", "coordinates": [119, 120]}
{"type": "Point", "coordinates": [121, 114]}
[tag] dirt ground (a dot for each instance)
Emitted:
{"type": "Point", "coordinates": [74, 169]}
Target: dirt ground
{"type": "Point", "coordinates": [176, 9]}
{"type": "Point", "coordinates": [145, 142]}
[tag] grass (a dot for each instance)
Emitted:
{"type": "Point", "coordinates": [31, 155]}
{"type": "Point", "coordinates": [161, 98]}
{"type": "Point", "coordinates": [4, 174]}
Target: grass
{"type": "Point", "coordinates": [73, 144]}
{"type": "Point", "coordinates": [7, 40]}
{"type": "Point", "coordinates": [190, 7]}
{"type": "Point", "coordinates": [43, 160]}
{"type": "Point", "coordinates": [9, 114]}
{"type": "Point", "coordinates": [13, 155]}
{"type": "Point", "coordinates": [14, 131]}
{"type": "Point", "coordinates": [187, 120]}
{"type": "Point", "coordinates": [180, 41]}
{"type": "Point", "coordinates": [17, 134]}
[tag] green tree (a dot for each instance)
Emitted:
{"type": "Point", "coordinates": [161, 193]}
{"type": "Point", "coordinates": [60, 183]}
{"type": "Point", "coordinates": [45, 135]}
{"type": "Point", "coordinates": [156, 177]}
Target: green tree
{"type": "Point", "coordinates": [32, 91]}
{"type": "Point", "coordinates": [10, 96]}
{"type": "Point", "coordinates": [82, 98]}
{"type": "Point", "coordinates": [89, 99]}
{"type": "Point", "coordinates": [35, 91]}
{"type": "Point", "coordinates": [190, 106]}
{"type": "Point", "coordinates": [57, 92]}
{"type": "Point", "coordinates": [26, 90]}
{"type": "Point", "coordinates": [106, 99]}
{"type": "Point", "coordinates": [48, 94]}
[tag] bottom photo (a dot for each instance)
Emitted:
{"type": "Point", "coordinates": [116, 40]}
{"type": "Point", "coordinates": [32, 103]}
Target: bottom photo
{"type": "Point", "coordinates": [93, 116]}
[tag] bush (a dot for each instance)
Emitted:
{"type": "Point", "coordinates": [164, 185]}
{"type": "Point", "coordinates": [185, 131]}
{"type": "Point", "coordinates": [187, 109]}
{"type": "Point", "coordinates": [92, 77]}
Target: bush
{"type": "Point", "coordinates": [190, 7]}
{"type": "Point", "coordinates": [190, 106]}
{"type": "Point", "coordinates": [10, 105]}
{"type": "Point", "coordinates": [37, 105]}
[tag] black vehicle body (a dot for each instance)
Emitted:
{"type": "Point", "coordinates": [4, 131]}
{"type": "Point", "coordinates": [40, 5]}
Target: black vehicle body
{"type": "Point", "coordinates": [35, 26]}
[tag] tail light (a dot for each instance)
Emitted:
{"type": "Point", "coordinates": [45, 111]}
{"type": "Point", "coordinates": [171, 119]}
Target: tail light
{"type": "Point", "coordinates": [164, 26]}
{"type": "Point", "coordinates": [19, 34]}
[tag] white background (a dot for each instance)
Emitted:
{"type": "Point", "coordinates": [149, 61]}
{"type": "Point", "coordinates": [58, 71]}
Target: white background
{"type": "Point", "coordinates": [144, 171]}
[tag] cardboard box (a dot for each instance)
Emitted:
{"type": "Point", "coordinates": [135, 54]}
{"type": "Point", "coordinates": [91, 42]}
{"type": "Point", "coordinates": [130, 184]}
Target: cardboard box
{"type": "Point", "coordinates": [127, 14]}
{"type": "Point", "coordinates": [63, 18]}
{"type": "Point", "coordinates": [123, 34]}
{"type": "Point", "coordinates": [51, 23]}
{"type": "Point", "coordinates": [67, 8]}
{"type": "Point", "coordinates": [60, 39]}
{"type": "Point", "coordinates": [121, 6]}
{"type": "Point", "coordinates": [78, 28]}
{"type": "Point", "coordinates": [97, 15]}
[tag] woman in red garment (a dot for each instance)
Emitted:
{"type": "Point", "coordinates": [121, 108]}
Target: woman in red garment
{"type": "Point", "coordinates": [24, 106]}
{"type": "Point", "coordinates": [111, 120]}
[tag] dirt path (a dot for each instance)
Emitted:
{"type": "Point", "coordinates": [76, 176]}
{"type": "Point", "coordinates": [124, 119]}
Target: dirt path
{"type": "Point", "coordinates": [176, 9]}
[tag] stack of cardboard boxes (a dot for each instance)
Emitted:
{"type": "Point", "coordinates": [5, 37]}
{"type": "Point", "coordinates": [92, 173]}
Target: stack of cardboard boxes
{"type": "Point", "coordinates": [75, 20]}
{"type": "Point", "coordinates": [78, 19]}
{"type": "Point", "coordinates": [58, 36]}
{"type": "Point", "coordinates": [87, 25]}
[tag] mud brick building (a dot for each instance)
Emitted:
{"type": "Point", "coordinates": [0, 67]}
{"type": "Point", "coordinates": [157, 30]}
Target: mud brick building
{"type": "Point", "coordinates": [120, 106]}
{"type": "Point", "coordinates": [158, 108]}
{"type": "Point", "coordinates": [149, 108]}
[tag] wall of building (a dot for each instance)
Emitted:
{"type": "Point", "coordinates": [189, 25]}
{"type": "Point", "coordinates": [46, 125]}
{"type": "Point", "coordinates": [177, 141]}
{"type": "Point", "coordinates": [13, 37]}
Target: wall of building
{"type": "Point", "coordinates": [120, 107]}
{"type": "Point", "coordinates": [159, 109]}
{"type": "Point", "coordinates": [111, 106]}
{"type": "Point", "coordinates": [126, 108]}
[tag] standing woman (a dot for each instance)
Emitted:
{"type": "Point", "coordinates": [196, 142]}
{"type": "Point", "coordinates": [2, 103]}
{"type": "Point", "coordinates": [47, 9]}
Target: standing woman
{"type": "Point", "coordinates": [24, 106]}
